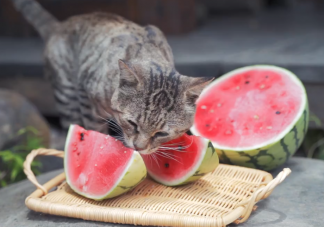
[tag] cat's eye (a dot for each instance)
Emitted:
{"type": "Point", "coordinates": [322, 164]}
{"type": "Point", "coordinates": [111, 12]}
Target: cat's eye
{"type": "Point", "coordinates": [134, 125]}
{"type": "Point", "coordinates": [161, 134]}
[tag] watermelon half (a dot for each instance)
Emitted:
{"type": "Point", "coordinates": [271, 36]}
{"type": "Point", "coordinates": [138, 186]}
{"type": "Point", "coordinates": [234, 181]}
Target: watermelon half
{"type": "Point", "coordinates": [255, 116]}
{"type": "Point", "coordinates": [182, 160]}
{"type": "Point", "coordinates": [98, 166]}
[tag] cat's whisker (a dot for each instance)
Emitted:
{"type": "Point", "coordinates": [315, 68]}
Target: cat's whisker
{"type": "Point", "coordinates": [182, 147]}
{"type": "Point", "coordinates": [111, 124]}
{"type": "Point", "coordinates": [115, 127]}
{"type": "Point", "coordinates": [150, 157]}
{"type": "Point", "coordinates": [117, 130]}
{"type": "Point", "coordinates": [162, 154]}
{"type": "Point", "coordinates": [171, 149]}
{"type": "Point", "coordinates": [122, 139]}
{"type": "Point", "coordinates": [103, 118]}
{"type": "Point", "coordinates": [107, 113]}
{"type": "Point", "coordinates": [119, 134]}
{"type": "Point", "coordinates": [175, 144]}
{"type": "Point", "coordinates": [175, 148]}
{"type": "Point", "coordinates": [168, 154]}
{"type": "Point", "coordinates": [103, 124]}
{"type": "Point", "coordinates": [155, 158]}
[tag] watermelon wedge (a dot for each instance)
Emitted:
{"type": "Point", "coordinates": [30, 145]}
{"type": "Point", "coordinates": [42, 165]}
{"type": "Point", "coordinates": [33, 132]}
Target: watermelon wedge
{"type": "Point", "coordinates": [98, 166]}
{"type": "Point", "coordinates": [182, 160]}
{"type": "Point", "coordinates": [255, 116]}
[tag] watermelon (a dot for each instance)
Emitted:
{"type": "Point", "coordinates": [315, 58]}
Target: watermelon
{"type": "Point", "coordinates": [255, 116]}
{"type": "Point", "coordinates": [98, 166]}
{"type": "Point", "coordinates": [182, 160]}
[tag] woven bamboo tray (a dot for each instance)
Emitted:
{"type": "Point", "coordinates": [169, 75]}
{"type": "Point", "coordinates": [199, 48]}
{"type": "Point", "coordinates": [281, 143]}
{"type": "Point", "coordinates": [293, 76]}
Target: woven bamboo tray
{"type": "Point", "coordinates": [227, 195]}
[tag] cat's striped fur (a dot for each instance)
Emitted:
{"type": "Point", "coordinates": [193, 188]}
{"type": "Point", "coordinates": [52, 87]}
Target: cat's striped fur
{"type": "Point", "coordinates": [103, 66]}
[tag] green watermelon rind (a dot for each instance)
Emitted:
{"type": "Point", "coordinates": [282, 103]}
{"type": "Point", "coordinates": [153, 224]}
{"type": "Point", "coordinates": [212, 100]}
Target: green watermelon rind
{"type": "Point", "coordinates": [206, 164]}
{"type": "Point", "coordinates": [134, 174]}
{"type": "Point", "coordinates": [271, 154]}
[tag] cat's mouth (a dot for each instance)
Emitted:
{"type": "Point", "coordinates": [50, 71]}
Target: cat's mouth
{"type": "Point", "coordinates": [117, 132]}
{"type": "Point", "coordinates": [148, 151]}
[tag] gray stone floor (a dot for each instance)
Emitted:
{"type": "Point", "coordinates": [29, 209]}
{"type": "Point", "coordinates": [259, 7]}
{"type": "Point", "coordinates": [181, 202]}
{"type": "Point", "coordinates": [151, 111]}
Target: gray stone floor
{"type": "Point", "coordinates": [297, 202]}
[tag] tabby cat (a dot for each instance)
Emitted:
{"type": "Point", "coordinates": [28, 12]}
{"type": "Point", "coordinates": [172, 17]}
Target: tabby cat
{"type": "Point", "coordinates": [104, 67]}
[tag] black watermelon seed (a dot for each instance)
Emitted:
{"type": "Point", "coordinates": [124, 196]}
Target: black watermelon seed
{"type": "Point", "coordinates": [267, 76]}
{"type": "Point", "coordinates": [278, 112]}
{"type": "Point", "coordinates": [166, 165]}
{"type": "Point", "coordinates": [247, 82]}
{"type": "Point", "coordinates": [82, 136]}
{"type": "Point", "coordinates": [207, 125]}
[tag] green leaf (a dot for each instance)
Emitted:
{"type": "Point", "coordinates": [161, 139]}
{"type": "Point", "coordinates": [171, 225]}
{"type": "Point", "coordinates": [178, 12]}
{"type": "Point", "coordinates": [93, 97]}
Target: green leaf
{"type": "Point", "coordinates": [5, 153]}
{"type": "Point", "coordinates": [3, 183]}
{"type": "Point", "coordinates": [11, 161]}
{"type": "Point", "coordinates": [36, 164]}
{"type": "Point", "coordinates": [14, 173]}
{"type": "Point", "coordinates": [19, 160]}
{"type": "Point", "coordinates": [7, 158]}
{"type": "Point", "coordinates": [28, 129]}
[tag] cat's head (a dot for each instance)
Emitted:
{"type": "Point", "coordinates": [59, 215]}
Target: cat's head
{"type": "Point", "coordinates": [154, 104]}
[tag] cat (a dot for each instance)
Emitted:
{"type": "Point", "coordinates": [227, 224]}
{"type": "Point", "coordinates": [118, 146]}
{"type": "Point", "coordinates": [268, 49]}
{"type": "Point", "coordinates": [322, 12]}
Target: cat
{"type": "Point", "coordinates": [106, 69]}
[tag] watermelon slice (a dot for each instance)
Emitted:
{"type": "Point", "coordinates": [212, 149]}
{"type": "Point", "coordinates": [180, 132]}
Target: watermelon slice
{"type": "Point", "coordinates": [255, 116]}
{"type": "Point", "coordinates": [182, 160]}
{"type": "Point", "coordinates": [98, 166]}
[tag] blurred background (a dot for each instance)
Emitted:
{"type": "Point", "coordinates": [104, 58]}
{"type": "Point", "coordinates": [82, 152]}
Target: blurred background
{"type": "Point", "coordinates": [208, 38]}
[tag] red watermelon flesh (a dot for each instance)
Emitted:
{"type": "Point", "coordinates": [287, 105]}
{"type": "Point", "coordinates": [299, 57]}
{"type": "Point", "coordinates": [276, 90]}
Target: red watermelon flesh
{"type": "Point", "coordinates": [94, 162]}
{"type": "Point", "coordinates": [182, 160]}
{"type": "Point", "coordinates": [176, 163]}
{"type": "Point", "coordinates": [248, 108]}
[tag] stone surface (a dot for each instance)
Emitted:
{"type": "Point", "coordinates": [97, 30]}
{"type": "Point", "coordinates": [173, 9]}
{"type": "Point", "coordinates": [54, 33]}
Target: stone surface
{"type": "Point", "coordinates": [297, 202]}
{"type": "Point", "coordinates": [31, 85]}
{"type": "Point", "coordinates": [17, 113]}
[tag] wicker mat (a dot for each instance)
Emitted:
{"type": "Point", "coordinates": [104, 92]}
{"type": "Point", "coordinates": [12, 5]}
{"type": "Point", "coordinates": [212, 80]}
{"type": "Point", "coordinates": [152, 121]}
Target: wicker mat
{"type": "Point", "coordinates": [227, 195]}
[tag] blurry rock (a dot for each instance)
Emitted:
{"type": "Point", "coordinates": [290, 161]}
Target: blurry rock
{"type": "Point", "coordinates": [17, 113]}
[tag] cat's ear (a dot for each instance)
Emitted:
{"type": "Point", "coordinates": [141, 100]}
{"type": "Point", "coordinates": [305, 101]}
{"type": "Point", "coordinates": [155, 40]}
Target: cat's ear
{"type": "Point", "coordinates": [195, 87]}
{"type": "Point", "coordinates": [129, 78]}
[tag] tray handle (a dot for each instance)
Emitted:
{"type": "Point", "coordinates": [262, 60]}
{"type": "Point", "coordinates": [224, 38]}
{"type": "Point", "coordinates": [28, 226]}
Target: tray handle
{"type": "Point", "coordinates": [29, 159]}
{"type": "Point", "coordinates": [260, 194]}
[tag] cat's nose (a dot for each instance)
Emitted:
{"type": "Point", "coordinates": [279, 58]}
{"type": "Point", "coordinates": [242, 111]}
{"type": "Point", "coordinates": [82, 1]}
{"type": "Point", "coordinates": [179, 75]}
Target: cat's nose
{"type": "Point", "coordinates": [139, 146]}
{"type": "Point", "coordinates": [140, 142]}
